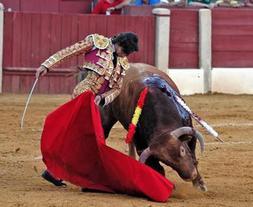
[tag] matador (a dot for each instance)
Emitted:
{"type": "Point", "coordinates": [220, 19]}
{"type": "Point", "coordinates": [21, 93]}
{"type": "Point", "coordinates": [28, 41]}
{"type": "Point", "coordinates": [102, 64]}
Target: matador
{"type": "Point", "coordinates": [105, 62]}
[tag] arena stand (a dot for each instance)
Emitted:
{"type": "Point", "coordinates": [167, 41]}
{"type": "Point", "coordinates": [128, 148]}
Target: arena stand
{"type": "Point", "coordinates": [205, 47]}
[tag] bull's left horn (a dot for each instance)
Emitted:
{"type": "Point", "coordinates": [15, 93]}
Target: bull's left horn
{"type": "Point", "coordinates": [145, 155]}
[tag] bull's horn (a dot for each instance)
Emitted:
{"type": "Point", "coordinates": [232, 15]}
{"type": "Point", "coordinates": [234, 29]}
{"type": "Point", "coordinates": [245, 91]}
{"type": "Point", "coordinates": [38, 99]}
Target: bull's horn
{"type": "Point", "coordinates": [182, 131]}
{"type": "Point", "coordinates": [145, 155]}
{"type": "Point", "coordinates": [201, 140]}
{"type": "Point", "coordinates": [189, 131]}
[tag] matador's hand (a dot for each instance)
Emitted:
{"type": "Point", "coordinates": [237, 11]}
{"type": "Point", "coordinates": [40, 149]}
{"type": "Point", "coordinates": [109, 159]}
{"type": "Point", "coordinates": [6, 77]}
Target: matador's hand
{"type": "Point", "coordinates": [97, 99]}
{"type": "Point", "coordinates": [110, 9]}
{"type": "Point", "coordinates": [42, 70]}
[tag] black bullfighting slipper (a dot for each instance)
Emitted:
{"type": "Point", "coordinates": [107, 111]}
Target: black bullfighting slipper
{"type": "Point", "coordinates": [57, 182]}
{"type": "Point", "coordinates": [87, 190]}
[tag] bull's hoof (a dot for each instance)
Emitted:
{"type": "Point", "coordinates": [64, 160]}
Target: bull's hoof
{"type": "Point", "coordinates": [199, 184]}
{"type": "Point", "coordinates": [48, 177]}
{"type": "Point", "coordinates": [202, 188]}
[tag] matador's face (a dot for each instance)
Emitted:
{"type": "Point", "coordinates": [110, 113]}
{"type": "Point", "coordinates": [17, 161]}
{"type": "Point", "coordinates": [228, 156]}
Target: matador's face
{"type": "Point", "coordinates": [119, 51]}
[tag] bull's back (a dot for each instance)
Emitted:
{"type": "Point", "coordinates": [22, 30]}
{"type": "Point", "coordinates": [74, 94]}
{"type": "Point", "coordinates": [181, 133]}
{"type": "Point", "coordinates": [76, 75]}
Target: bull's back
{"type": "Point", "coordinates": [133, 84]}
{"type": "Point", "coordinates": [139, 71]}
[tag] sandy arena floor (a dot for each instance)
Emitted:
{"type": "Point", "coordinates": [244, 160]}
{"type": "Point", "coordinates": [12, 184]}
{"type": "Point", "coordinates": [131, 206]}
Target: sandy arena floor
{"type": "Point", "coordinates": [227, 168]}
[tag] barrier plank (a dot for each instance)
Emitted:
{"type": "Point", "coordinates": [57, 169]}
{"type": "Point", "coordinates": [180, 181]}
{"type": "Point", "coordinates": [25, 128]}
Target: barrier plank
{"type": "Point", "coordinates": [232, 38]}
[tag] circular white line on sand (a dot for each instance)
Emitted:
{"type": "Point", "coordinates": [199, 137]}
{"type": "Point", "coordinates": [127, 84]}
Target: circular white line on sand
{"type": "Point", "coordinates": [232, 124]}
{"type": "Point", "coordinates": [227, 143]}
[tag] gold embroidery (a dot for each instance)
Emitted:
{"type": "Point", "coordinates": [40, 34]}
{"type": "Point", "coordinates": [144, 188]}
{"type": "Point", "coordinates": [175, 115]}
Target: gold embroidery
{"type": "Point", "coordinates": [92, 82]}
{"type": "Point", "coordinates": [110, 67]}
{"type": "Point", "coordinates": [103, 63]}
{"type": "Point", "coordinates": [100, 80]}
{"type": "Point", "coordinates": [124, 63]}
{"type": "Point", "coordinates": [107, 74]}
{"type": "Point", "coordinates": [104, 55]}
{"type": "Point", "coordinates": [110, 48]}
{"type": "Point", "coordinates": [89, 38]}
{"type": "Point", "coordinates": [75, 49]}
{"type": "Point", "coordinates": [110, 95]}
{"type": "Point", "coordinates": [94, 67]}
{"type": "Point", "coordinates": [100, 41]}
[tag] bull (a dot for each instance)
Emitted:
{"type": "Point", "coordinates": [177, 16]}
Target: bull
{"type": "Point", "coordinates": [165, 131]}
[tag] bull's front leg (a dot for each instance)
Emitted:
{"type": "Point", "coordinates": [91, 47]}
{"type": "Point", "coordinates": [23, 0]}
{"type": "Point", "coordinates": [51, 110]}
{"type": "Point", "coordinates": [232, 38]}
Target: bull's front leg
{"type": "Point", "coordinates": [131, 150]}
{"type": "Point", "coordinates": [198, 182]}
{"type": "Point", "coordinates": [154, 163]}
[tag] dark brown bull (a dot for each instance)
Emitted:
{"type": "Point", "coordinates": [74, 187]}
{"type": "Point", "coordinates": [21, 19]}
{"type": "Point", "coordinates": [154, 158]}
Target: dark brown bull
{"type": "Point", "coordinates": [164, 131]}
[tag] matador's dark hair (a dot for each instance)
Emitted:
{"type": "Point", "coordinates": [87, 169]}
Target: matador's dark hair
{"type": "Point", "coordinates": [128, 41]}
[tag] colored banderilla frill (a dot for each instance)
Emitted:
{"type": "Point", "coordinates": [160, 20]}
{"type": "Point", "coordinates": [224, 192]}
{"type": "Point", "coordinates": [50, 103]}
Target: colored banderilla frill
{"type": "Point", "coordinates": [136, 116]}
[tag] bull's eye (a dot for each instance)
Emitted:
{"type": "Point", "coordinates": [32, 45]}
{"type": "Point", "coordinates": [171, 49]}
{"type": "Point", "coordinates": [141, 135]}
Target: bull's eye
{"type": "Point", "coordinates": [182, 151]}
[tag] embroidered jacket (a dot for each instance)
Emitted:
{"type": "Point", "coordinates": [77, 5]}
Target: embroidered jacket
{"type": "Point", "coordinates": [103, 78]}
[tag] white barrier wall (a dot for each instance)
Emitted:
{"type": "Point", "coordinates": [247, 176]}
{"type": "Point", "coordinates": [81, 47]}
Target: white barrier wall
{"type": "Point", "coordinates": [189, 81]}
{"type": "Point", "coordinates": [205, 48]}
{"type": "Point", "coordinates": [207, 79]}
{"type": "Point", "coordinates": [162, 38]}
{"type": "Point", "coordinates": [232, 80]}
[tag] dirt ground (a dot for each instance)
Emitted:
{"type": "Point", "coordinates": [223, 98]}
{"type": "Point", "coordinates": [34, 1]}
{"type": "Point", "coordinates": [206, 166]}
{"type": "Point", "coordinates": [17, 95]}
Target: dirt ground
{"type": "Point", "coordinates": [227, 168]}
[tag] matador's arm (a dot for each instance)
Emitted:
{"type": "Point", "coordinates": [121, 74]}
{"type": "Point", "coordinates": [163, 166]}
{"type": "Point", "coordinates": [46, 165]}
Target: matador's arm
{"type": "Point", "coordinates": [78, 48]}
{"type": "Point", "coordinates": [110, 95]}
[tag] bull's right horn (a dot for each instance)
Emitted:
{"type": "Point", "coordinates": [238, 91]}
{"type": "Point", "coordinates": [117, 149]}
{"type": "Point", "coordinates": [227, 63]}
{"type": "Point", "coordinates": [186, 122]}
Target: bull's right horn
{"type": "Point", "coordinates": [182, 131]}
{"type": "Point", "coordinates": [189, 131]}
{"type": "Point", "coordinates": [145, 155]}
{"type": "Point", "coordinates": [201, 140]}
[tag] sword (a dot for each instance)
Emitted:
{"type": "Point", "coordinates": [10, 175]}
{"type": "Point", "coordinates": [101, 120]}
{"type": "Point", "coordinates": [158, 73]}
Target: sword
{"type": "Point", "coordinates": [162, 84]}
{"type": "Point", "coordinates": [27, 102]}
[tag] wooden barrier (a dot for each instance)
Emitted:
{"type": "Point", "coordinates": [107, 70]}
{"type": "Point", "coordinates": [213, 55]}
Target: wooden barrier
{"type": "Point", "coordinates": [59, 6]}
{"type": "Point", "coordinates": [184, 33]}
{"type": "Point", "coordinates": [30, 38]}
{"type": "Point", "coordinates": [232, 37]}
{"type": "Point", "coordinates": [184, 38]}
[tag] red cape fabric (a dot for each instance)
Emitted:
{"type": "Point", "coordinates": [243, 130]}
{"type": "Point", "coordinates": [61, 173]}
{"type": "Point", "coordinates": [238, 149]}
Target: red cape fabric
{"type": "Point", "coordinates": [73, 149]}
